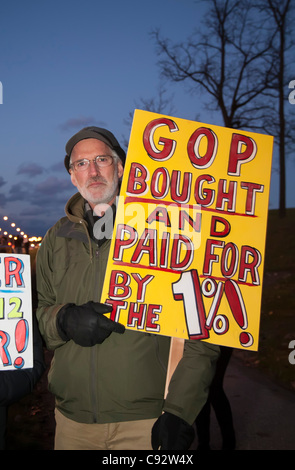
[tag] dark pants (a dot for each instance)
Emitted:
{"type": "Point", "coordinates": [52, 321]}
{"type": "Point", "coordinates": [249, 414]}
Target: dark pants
{"type": "Point", "coordinates": [3, 417]}
{"type": "Point", "coordinates": [219, 402]}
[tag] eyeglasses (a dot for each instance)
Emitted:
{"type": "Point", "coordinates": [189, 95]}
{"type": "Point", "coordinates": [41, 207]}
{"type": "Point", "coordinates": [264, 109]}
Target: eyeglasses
{"type": "Point", "coordinates": [101, 161]}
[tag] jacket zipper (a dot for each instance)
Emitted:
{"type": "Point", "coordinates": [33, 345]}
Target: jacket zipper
{"type": "Point", "coordinates": [94, 351]}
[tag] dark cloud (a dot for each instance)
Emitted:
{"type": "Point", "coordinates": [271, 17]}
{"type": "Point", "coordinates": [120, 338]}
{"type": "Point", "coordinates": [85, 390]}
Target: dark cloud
{"type": "Point", "coordinates": [19, 192]}
{"type": "Point", "coordinates": [60, 166]}
{"type": "Point", "coordinates": [2, 182]}
{"type": "Point", "coordinates": [3, 200]}
{"type": "Point", "coordinates": [53, 185]}
{"type": "Point", "coordinates": [50, 186]}
{"type": "Point", "coordinates": [42, 203]}
{"type": "Point", "coordinates": [30, 169]}
{"type": "Point", "coordinates": [74, 124]}
{"type": "Point", "coordinates": [32, 211]}
{"type": "Point", "coordinates": [49, 196]}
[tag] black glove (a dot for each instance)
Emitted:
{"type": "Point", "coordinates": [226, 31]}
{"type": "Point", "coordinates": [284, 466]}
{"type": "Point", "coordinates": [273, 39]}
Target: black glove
{"type": "Point", "coordinates": [86, 324]}
{"type": "Point", "coordinates": [172, 433]}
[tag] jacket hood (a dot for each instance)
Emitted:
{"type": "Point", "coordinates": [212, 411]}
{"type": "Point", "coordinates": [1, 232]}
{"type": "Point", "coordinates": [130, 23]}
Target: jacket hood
{"type": "Point", "coordinates": [74, 208]}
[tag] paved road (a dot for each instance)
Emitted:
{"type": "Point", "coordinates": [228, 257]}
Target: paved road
{"type": "Point", "coordinates": [263, 412]}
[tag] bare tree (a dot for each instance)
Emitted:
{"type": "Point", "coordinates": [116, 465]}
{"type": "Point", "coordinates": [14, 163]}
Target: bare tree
{"type": "Point", "coordinates": [237, 57]}
{"type": "Point", "coordinates": [230, 61]}
{"type": "Point", "coordinates": [160, 103]}
{"type": "Point", "coordinates": [278, 14]}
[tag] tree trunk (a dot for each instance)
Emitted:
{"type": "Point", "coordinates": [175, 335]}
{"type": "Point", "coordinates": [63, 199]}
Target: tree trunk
{"type": "Point", "coordinates": [282, 201]}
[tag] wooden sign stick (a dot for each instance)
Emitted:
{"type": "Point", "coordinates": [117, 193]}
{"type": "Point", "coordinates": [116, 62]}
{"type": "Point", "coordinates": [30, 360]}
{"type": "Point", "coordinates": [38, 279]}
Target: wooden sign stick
{"type": "Point", "coordinates": [175, 354]}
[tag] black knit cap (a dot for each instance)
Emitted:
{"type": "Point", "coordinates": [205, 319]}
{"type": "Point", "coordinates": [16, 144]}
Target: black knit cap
{"type": "Point", "coordinates": [94, 133]}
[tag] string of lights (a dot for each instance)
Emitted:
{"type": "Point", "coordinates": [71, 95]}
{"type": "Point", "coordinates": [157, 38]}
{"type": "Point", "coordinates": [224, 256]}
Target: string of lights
{"type": "Point", "coordinates": [12, 236]}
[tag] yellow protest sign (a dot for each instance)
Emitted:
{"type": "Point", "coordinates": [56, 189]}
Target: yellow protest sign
{"type": "Point", "coordinates": [187, 253]}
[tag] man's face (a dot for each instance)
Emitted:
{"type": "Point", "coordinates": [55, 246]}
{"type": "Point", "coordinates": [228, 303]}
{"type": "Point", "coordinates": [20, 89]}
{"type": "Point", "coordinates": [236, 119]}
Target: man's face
{"type": "Point", "coordinates": [96, 185]}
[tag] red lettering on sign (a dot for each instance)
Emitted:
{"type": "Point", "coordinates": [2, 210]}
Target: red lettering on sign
{"type": "Point", "coordinates": [193, 148]}
{"type": "Point", "coordinates": [169, 145]}
{"type": "Point", "coordinates": [237, 156]}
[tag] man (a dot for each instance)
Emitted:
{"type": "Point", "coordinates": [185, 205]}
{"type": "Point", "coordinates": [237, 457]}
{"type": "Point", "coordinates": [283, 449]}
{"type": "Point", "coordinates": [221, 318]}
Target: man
{"type": "Point", "coordinates": [109, 382]}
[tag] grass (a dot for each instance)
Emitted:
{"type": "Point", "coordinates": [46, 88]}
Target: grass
{"type": "Point", "coordinates": [277, 327]}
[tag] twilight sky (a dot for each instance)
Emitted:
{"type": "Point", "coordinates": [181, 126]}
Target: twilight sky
{"type": "Point", "coordinates": [69, 64]}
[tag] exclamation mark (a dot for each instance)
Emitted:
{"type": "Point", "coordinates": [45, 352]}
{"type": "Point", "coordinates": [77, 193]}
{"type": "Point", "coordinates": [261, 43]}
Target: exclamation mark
{"type": "Point", "coordinates": [237, 306]}
{"type": "Point", "coordinates": [21, 341]}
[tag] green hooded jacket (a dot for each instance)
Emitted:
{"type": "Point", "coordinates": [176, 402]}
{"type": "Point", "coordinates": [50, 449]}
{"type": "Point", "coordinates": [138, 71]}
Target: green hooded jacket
{"type": "Point", "coordinates": [123, 378]}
